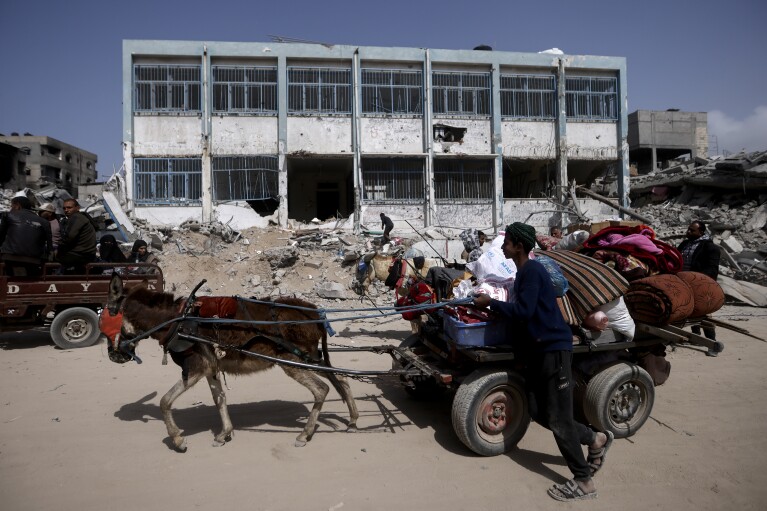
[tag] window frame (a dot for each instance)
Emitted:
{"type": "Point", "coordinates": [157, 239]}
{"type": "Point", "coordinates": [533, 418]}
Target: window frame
{"type": "Point", "coordinates": [191, 89]}
{"type": "Point", "coordinates": [371, 92]}
{"type": "Point", "coordinates": [594, 93]}
{"type": "Point", "coordinates": [518, 96]}
{"type": "Point", "coordinates": [458, 93]}
{"type": "Point", "coordinates": [454, 191]}
{"type": "Point", "coordinates": [378, 174]}
{"type": "Point", "coordinates": [257, 171]}
{"type": "Point", "coordinates": [313, 96]}
{"type": "Point", "coordinates": [189, 180]}
{"type": "Point", "coordinates": [243, 89]}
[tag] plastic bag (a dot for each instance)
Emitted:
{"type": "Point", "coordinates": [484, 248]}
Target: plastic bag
{"type": "Point", "coordinates": [493, 263]}
{"type": "Point", "coordinates": [558, 280]}
{"type": "Point", "coordinates": [620, 319]}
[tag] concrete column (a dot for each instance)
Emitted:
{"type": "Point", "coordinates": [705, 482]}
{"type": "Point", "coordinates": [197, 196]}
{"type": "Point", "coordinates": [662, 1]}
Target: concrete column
{"type": "Point", "coordinates": [282, 139]}
{"type": "Point", "coordinates": [356, 130]}
{"type": "Point", "coordinates": [430, 205]}
{"type": "Point", "coordinates": [624, 178]}
{"type": "Point", "coordinates": [207, 167]}
{"type": "Point", "coordinates": [497, 139]}
{"type": "Point", "coordinates": [561, 177]}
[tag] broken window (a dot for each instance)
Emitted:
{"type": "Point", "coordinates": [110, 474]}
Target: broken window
{"type": "Point", "coordinates": [167, 181]}
{"type": "Point", "coordinates": [461, 93]}
{"type": "Point", "coordinates": [390, 91]}
{"type": "Point", "coordinates": [166, 88]}
{"type": "Point", "coordinates": [528, 96]}
{"type": "Point", "coordinates": [319, 90]}
{"type": "Point", "coordinates": [244, 177]}
{"type": "Point", "coordinates": [248, 89]}
{"type": "Point", "coordinates": [392, 180]}
{"type": "Point", "coordinates": [463, 180]}
{"type": "Point", "coordinates": [592, 98]}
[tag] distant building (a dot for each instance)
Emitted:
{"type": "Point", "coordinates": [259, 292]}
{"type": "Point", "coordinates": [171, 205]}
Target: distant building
{"type": "Point", "coordinates": [438, 137]}
{"type": "Point", "coordinates": [50, 161]}
{"type": "Point", "coordinates": [12, 164]}
{"type": "Point", "coordinates": [658, 136]}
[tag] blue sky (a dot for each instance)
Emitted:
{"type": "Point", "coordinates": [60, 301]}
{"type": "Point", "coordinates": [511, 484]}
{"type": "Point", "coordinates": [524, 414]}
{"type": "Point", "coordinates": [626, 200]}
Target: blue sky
{"type": "Point", "coordinates": [61, 61]}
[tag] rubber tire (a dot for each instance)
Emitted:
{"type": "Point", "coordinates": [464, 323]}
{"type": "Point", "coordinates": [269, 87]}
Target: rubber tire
{"type": "Point", "coordinates": [467, 411]}
{"type": "Point", "coordinates": [619, 399]}
{"type": "Point", "coordinates": [76, 327]}
{"type": "Point", "coordinates": [424, 390]}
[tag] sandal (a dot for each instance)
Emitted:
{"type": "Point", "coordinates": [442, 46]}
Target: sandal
{"type": "Point", "coordinates": [569, 491]}
{"type": "Point", "coordinates": [599, 454]}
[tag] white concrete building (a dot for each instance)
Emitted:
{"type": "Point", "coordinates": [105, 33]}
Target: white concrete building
{"type": "Point", "coordinates": [451, 138]}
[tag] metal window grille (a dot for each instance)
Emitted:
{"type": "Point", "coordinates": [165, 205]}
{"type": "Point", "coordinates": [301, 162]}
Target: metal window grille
{"type": "Point", "coordinates": [591, 98]}
{"type": "Point", "coordinates": [167, 181]}
{"type": "Point", "coordinates": [528, 96]}
{"type": "Point", "coordinates": [166, 88]}
{"type": "Point", "coordinates": [319, 90]}
{"type": "Point", "coordinates": [249, 89]}
{"type": "Point", "coordinates": [461, 93]}
{"type": "Point", "coordinates": [386, 91]}
{"type": "Point", "coordinates": [463, 181]}
{"type": "Point", "coordinates": [392, 180]}
{"type": "Point", "coordinates": [244, 177]}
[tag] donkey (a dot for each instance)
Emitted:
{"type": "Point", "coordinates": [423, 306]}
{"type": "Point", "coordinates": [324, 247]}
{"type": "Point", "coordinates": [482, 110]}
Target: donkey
{"type": "Point", "coordinates": [140, 309]}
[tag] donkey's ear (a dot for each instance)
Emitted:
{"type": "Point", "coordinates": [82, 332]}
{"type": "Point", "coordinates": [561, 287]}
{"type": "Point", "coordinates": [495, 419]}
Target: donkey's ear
{"type": "Point", "coordinates": [116, 293]}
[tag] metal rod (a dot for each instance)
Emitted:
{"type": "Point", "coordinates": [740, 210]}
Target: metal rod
{"type": "Point", "coordinates": [427, 242]}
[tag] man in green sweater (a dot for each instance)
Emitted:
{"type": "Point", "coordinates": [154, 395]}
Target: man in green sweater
{"type": "Point", "coordinates": [545, 343]}
{"type": "Point", "coordinates": [78, 239]}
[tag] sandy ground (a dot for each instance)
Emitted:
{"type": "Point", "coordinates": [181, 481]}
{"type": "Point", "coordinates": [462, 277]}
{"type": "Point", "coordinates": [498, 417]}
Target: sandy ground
{"type": "Point", "coordinates": [79, 432]}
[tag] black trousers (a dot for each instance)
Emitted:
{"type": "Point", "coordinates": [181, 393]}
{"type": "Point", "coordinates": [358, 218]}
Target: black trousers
{"type": "Point", "coordinates": [550, 395]}
{"type": "Point", "coordinates": [708, 331]}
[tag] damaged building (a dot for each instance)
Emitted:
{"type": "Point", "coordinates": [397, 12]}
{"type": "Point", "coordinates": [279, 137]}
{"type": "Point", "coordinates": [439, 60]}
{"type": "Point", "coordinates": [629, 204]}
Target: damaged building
{"type": "Point", "coordinates": [437, 137]}
{"type": "Point", "coordinates": [44, 161]}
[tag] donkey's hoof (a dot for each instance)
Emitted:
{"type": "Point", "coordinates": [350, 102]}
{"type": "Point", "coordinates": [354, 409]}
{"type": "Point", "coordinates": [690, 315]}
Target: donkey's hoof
{"type": "Point", "coordinates": [299, 443]}
{"type": "Point", "coordinates": [352, 428]}
{"type": "Point", "coordinates": [218, 443]}
{"type": "Point", "coordinates": [180, 446]}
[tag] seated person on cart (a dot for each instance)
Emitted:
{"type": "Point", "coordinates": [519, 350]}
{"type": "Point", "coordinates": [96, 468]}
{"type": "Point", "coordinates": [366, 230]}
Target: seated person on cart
{"type": "Point", "coordinates": [546, 347]}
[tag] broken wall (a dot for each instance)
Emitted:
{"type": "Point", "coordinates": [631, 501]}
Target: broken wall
{"type": "Point", "coordinates": [520, 210]}
{"type": "Point", "coordinates": [476, 140]}
{"type": "Point", "coordinates": [463, 215]}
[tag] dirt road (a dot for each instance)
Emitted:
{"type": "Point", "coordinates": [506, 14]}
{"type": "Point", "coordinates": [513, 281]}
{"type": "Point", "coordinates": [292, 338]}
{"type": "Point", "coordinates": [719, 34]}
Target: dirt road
{"type": "Point", "coordinates": [80, 432]}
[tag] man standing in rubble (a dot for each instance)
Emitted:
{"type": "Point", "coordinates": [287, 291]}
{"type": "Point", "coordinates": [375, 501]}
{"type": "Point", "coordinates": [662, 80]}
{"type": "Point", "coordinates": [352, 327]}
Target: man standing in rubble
{"type": "Point", "coordinates": [78, 239]}
{"type": "Point", "coordinates": [387, 225]}
{"type": "Point", "coordinates": [546, 347]}
{"type": "Point", "coordinates": [701, 254]}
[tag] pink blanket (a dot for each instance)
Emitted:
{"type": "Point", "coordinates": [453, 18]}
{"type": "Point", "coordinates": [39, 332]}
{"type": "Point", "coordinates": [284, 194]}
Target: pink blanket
{"type": "Point", "coordinates": [639, 240]}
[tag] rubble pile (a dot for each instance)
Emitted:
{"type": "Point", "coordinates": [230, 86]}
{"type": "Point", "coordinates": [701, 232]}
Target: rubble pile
{"type": "Point", "coordinates": [729, 194]}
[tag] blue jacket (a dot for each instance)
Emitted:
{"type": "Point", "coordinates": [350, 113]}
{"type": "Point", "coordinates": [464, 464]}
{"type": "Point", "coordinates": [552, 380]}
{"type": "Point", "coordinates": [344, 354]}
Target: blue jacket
{"type": "Point", "coordinates": [536, 311]}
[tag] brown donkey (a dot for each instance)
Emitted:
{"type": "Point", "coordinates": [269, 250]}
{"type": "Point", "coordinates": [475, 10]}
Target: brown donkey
{"type": "Point", "coordinates": [137, 311]}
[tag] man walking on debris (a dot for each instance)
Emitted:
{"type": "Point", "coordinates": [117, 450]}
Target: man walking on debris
{"type": "Point", "coordinates": [78, 239]}
{"type": "Point", "coordinates": [546, 347]}
{"type": "Point", "coordinates": [387, 225]}
{"type": "Point", "coordinates": [701, 254]}
{"type": "Point", "coordinates": [25, 239]}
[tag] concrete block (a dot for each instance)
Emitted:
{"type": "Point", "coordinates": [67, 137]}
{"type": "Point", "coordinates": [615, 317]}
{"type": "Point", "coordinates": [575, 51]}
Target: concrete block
{"type": "Point", "coordinates": [332, 290]}
{"type": "Point", "coordinates": [313, 263]}
{"type": "Point", "coordinates": [732, 245]}
{"type": "Point", "coordinates": [255, 280]}
{"type": "Point", "coordinates": [759, 218]}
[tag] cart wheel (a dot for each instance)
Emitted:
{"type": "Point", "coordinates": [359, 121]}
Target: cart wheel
{"type": "Point", "coordinates": [619, 399]}
{"type": "Point", "coordinates": [490, 413]}
{"type": "Point", "coordinates": [421, 388]}
{"type": "Point", "coordinates": [76, 327]}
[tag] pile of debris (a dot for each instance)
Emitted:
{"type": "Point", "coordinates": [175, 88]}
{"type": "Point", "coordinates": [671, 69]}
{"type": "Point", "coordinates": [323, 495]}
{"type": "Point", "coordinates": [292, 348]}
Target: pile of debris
{"type": "Point", "coordinates": [729, 194]}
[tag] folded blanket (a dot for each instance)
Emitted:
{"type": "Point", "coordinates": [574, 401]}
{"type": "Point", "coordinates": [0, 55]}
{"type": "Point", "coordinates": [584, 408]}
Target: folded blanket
{"type": "Point", "coordinates": [708, 297]}
{"type": "Point", "coordinates": [660, 300]}
{"type": "Point", "coordinates": [663, 259]}
{"type": "Point", "coordinates": [591, 283]}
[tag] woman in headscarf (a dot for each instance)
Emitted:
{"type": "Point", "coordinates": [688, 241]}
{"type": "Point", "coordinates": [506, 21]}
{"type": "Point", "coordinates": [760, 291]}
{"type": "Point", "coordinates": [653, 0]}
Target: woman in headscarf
{"type": "Point", "coordinates": [109, 252]}
{"type": "Point", "coordinates": [141, 254]}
